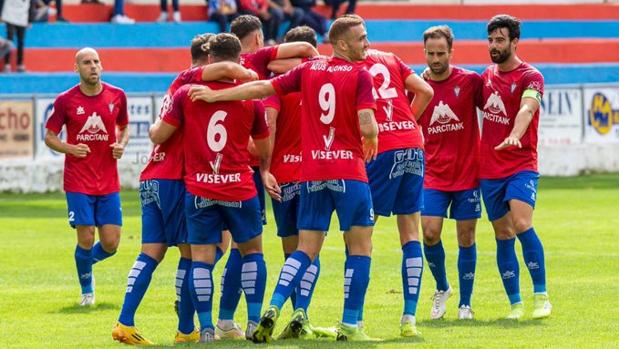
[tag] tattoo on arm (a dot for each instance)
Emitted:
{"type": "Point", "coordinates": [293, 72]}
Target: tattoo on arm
{"type": "Point", "coordinates": [365, 117]}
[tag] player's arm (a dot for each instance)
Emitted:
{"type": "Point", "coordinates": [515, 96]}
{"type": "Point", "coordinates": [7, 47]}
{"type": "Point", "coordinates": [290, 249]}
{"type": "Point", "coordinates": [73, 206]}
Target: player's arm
{"type": "Point", "coordinates": [280, 66]}
{"type": "Point", "coordinates": [229, 70]}
{"type": "Point", "coordinates": [528, 106]}
{"type": "Point", "coordinates": [369, 132]}
{"type": "Point", "coordinates": [272, 114]}
{"type": "Point", "coordinates": [263, 148]}
{"type": "Point", "coordinates": [122, 139]}
{"type": "Point", "coordinates": [55, 143]}
{"type": "Point", "coordinates": [160, 131]}
{"type": "Point", "coordinates": [250, 90]}
{"type": "Point", "coordinates": [296, 50]}
{"type": "Point", "coordinates": [423, 94]}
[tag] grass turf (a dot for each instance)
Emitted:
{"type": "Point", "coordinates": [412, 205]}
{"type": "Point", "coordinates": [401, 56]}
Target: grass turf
{"type": "Point", "coordinates": [577, 219]}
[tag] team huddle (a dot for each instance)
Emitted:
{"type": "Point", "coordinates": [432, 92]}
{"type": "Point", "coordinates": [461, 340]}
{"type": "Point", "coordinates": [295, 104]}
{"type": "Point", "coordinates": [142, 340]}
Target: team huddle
{"type": "Point", "coordinates": [358, 133]}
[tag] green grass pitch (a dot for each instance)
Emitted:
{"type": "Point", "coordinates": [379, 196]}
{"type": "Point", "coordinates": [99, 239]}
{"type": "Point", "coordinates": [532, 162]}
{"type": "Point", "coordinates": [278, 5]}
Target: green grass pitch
{"type": "Point", "coordinates": [577, 219]}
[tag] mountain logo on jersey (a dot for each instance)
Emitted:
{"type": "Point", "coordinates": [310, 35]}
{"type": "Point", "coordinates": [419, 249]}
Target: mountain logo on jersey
{"type": "Point", "coordinates": [92, 127]}
{"type": "Point", "coordinates": [495, 104]}
{"type": "Point", "coordinates": [443, 114]}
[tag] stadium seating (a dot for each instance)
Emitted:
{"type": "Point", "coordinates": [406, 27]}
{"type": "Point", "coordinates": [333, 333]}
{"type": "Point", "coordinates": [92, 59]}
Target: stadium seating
{"type": "Point", "coordinates": [569, 43]}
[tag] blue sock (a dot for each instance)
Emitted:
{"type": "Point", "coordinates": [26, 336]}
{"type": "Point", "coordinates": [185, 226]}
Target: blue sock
{"type": "Point", "coordinates": [508, 268]}
{"type": "Point", "coordinates": [99, 254]}
{"type": "Point", "coordinates": [230, 285]}
{"type": "Point", "coordinates": [533, 253]}
{"type": "Point", "coordinates": [218, 254]}
{"type": "Point", "coordinates": [83, 262]}
{"type": "Point", "coordinates": [305, 290]}
{"type": "Point", "coordinates": [137, 284]}
{"type": "Point", "coordinates": [293, 295]}
{"type": "Point", "coordinates": [412, 270]}
{"type": "Point", "coordinates": [253, 282]}
{"type": "Point", "coordinates": [360, 312]}
{"type": "Point", "coordinates": [293, 270]}
{"type": "Point", "coordinates": [435, 255]}
{"type": "Point", "coordinates": [356, 281]}
{"type": "Point", "coordinates": [467, 258]}
{"type": "Point", "coordinates": [183, 295]}
{"type": "Point", "coordinates": [201, 288]}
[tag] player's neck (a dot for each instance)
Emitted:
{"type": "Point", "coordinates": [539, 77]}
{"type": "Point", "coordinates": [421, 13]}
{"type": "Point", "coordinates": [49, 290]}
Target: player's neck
{"type": "Point", "coordinates": [249, 48]}
{"type": "Point", "coordinates": [443, 76]}
{"type": "Point", "coordinates": [510, 64]}
{"type": "Point", "coordinates": [341, 56]}
{"type": "Point", "coordinates": [91, 90]}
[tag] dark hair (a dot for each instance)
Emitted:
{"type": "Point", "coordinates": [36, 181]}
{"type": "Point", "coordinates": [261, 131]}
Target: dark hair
{"type": "Point", "coordinates": [437, 32]}
{"type": "Point", "coordinates": [245, 25]}
{"type": "Point", "coordinates": [302, 33]}
{"type": "Point", "coordinates": [341, 26]}
{"type": "Point", "coordinates": [505, 21]}
{"type": "Point", "coordinates": [224, 47]}
{"type": "Point", "coordinates": [199, 46]}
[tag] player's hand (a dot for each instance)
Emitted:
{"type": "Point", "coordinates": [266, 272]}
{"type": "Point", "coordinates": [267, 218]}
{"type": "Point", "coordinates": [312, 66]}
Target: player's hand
{"type": "Point", "coordinates": [117, 150]}
{"type": "Point", "coordinates": [250, 75]}
{"type": "Point", "coordinates": [271, 186]}
{"type": "Point", "coordinates": [79, 150]}
{"type": "Point", "coordinates": [426, 74]}
{"type": "Point", "coordinates": [510, 141]}
{"type": "Point", "coordinates": [370, 149]}
{"type": "Point", "coordinates": [201, 93]}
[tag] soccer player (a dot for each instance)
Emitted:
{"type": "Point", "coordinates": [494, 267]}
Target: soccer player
{"type": "Point", "coordinates": [284, 115]}
{"type": "Point", "coordinates": [451, 134]}
{"type": "Point", "coordinates": [396, 176]}
{"type": "Point", "coordinates": [256, 57]}
{"type": "Point", "coordinates": [337, 111]}
{"type": "Point", "coordinates": [162, 194]}
{"type": "Point", "coordinates": [219, 184]}
{"type": "Point", "coordinates": [512, 94]}
{"type": "Point", "coordinates": [95, 116]}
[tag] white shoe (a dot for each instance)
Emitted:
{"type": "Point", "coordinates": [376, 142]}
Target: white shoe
{"type": "Point", "coordinates": [122, 19]}
{"type": "Point", "coordinates": [163, 17]}
{"type": "Point", "coordinates": [88, 299]}
{"type": "Point", "coordinates": [233, 331]}
{"type": "Point", "coordinates": [465, 313]}
{"type": "Point", "coordinates": [176, 17]}
{"type": "Point", "coordinates": [251, 328]}
{"type": "Point", "coordinates": [438, 304]}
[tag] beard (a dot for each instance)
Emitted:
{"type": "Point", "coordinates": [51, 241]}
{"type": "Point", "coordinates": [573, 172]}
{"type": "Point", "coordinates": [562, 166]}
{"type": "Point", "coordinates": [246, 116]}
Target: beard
{"type": "Point", "coordinates": [439, 69]}
{"type": "Point", "coordinates": [499, 57]}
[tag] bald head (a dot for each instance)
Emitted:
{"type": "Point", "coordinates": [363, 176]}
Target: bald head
{"type": "Point", "coordinates": [88, 66]}
{"type": "Point", "coordinates": [86, 51]}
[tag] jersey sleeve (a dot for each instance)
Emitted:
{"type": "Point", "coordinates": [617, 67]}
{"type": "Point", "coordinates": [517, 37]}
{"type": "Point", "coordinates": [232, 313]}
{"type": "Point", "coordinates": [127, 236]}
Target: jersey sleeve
{"type": "Point", "coordinates": [123, 117]}
{"type": "Point", "coordinates": [533, 83]}
{"type": "Point", "coordinates": [365, 99]}
{"type": "Point", "coordinates": [263, 57]}
{"type": "Point", "coordinates": [405, 70]}
{"type": "Point", "coordinates": [260, 128]}
{"type": "Point", "coordinates": [272, 102]}
{"type": "Point", "coordinates": [478, 88]}
{"type": "Point", "coordinates": [193, 75]}
{"type": "Point", "coordinates": [173, 115]}
{"type": "Point", "coordinates": [290, 81]}
{"type": "Point", "coordinates": [58, 117]}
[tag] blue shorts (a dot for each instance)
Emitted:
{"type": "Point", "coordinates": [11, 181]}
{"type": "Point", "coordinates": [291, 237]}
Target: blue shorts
{"type": "Point", "coordinates": [350, 199]}
{"type": "Point", "coordinates": [206, 219]}
{"type": "Point", "coordinates": [286, 212]}
{"type": "Point", "coordinates": [521, 186]}
{"type": "Point", "coordinates": [396, 181]}
{"type": "Point", "coordinates": [260, 190]}
{"type": "Point", "coordinates": [463, 204]}
{"type": "Point", "coordinates": [94, 210]}
{"type": "Point", "coordinates": [163, 212]}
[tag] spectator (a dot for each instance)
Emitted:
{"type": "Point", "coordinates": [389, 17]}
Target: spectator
{"type": "Point", "coordinates": [312, 19]}
{"type": "Point", "coordinates": [5, 46]}
{"type": "Point", "coordinates": [59, 17]}
{"type": "Point", "coordinates": [17, 14]}
{"type": "Point", "coordinates": [118, 16]}
{"type": "Point", "coordinates": [222, 12]}
{"type": "Point", "coordinates": [261, 9]}
{"type": "Point", "coordinates": [283, 10]}
{"type": "Point", "coordinates": [335, 6]}
{"type": "Point", "coordinates": [176, 16]}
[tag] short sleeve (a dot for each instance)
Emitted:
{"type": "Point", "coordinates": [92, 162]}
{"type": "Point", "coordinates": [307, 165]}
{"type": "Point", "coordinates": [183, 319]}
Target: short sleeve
{"type": "Point", "coordinates": [477, 84]}
{"type": "Point", "coordinates": [273, 101]}
{"type": "Point", "coordinates": [262, 58]}
{"type": "Point", "coordinates": [173, 113]}
{"type": "Point", "coordinates": [290, 81]}
{"type": "Point", "coordinates": [260, 128]}
{"type": "Point", "coordinates": [365, 99]}
{"type": "Point", "coordinates": [58, 117]}
{"type": "Point", "coordinates": [123, 117]}
{"type": "Point", "coordinates": [533, 81]}
{"type": "Point", "coordinates": [405, 71]}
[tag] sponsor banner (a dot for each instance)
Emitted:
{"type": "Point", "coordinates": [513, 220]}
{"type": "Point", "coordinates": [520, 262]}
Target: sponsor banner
{"type": "Point", "coordinates": [16, 129]}
{"type": "Point", "coordinates": [43, 110]}
{"type": "Point", "coordinates": [560, 121]}
{"type": "Point", "coordinates": [601, 114]}
{"type": "Point", "coordinates": [141, 114]}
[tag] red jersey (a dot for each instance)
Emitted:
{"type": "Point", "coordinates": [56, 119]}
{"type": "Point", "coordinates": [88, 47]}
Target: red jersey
{"type": "Point", "coordinates": [215, 143]}
{"type": "Point", "coordinates": [90, 120]}
{"type": "Point", "coordinates": [334, 90]}
{"type": "Point", "coordinates": [502, 94]}
{"type": "Point", "coordinates": [286, 158]}
{"type": "Point", "coordinates": [259, 61]}
{"type": "Point", "coordinates": [451, 132]}
{"type": "Point", "coordinates": [166, 159]}
{"type": "Point", "coordinates": [397, 127]}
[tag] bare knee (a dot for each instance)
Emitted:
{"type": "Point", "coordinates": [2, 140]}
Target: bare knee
{"type": "Point", "coordinates": [522, 224]}
{"type": "Point", "coordinates": [85, 237]}
{"type": "Point", "coordinates": [109, 237]}
{"type": "Point", "coordinates": [431, 236]}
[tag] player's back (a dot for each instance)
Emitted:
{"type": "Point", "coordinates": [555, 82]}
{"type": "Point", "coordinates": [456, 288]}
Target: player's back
{"type": "Point", "coordinates": [397, 126]}
{"type": "Point", "coordinates": [286, 157]}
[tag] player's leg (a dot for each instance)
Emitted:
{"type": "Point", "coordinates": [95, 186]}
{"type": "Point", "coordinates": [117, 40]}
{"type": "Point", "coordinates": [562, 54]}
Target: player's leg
{"type": "Point", "coordinates": [108, 219]}
{"type": "Point", "coordinates": [230, 294]}
{"type": "Point", "coordinates": [186, 330]}
{"type": "Point", "coordinates": [81, 212]}
{"type": "Point", "coordinates": [521, 193]}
